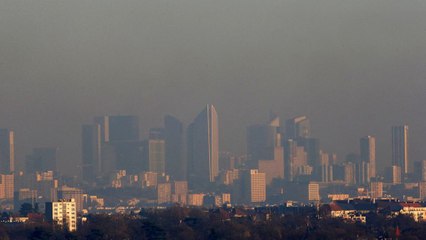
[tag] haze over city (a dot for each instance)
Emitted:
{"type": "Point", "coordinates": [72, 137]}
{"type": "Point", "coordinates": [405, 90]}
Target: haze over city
{"type": "Point", "coordinates": [354, 67]}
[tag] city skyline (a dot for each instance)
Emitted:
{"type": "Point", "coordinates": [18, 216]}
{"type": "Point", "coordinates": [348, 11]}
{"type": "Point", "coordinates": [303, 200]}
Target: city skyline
{"type": "Point", "coordinates": [131, 122]}
{"type": "Point", "coordinates": [198, 119]}
{"type": "Point", "coordinates": [354, 68]}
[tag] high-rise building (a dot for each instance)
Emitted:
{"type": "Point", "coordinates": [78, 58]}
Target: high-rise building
{"type": "Point", "coordinates": [264, 149]}
{"type": "Point", "coordinates": [41, 160]}
{"type": "Point", "coordinates": [7, 151]}
{"type": "Point", "coordinates": [350, 173]}
{"type": "Point", "coordinates": [326, 169]}
{"type": "Point", "coordinates": [91, 151]}
{"type": "Point", "coordinates": [422, 190]}
{"type": "Point", "coordinates": [297, 127]}
{"type": "Point", "coordinates": [203, 147]}
{"type": "Point", "coordinates": [196, 199]}
{"type": "Point", "coordinates": [62, 213]}
{"type": "Point", "coordinates": [154, 155]}
{"type": "Point", "coordinates": [423, 171]}
{"type": "Point", "coordinates": [368, 153]}
{"type": "Point", "coordinates": [261, 141]}
{"type": "Point", "coordinates": [66, 192]}
{"type": "Point", "coordinates": [7, 186]}
{"type": "Point", "coordinates": [175, 157]}
{"type": "Point", "coordinates": [376, 189]}
{"type": "Point", "coordinates": [164, 193]}
{"type": "Point", "coordinates": [295, 158]}
{"type": "Point", "coordinates": [313, 192]}
{"type": "Point", "coordinates": [393, 174]}
{"type": "Point", "coordinates": [110, 144]}
{"type": "Point", "coordinates": [118, 128]}
{"type": "Point", "coordinates": [312, 149]}
{"type": "Point", "coordinates": [400, 147]}
{"type": "Point", "coordinates": [253, 186]}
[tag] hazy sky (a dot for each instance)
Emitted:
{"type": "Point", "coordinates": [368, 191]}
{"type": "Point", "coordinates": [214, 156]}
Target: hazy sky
{"type": "Point", "coordinates": [354, 67]}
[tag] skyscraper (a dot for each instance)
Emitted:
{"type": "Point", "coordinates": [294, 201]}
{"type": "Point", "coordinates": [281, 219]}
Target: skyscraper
{"type": "Point", "coordinates": [203, 147]}
{"type": "Point", "coordinates": [260, 143]}
{"type": "Point", "coordinates": [295, 158]}
{"type": "Point", "coordinates": [312, 149]}
{"type": "Point", "coordinates": [154, 155]}
{"type": "Point", "coordinates": [42, 160]}
{"type": "Point", "coordinates": [91, 151]}
{"type": "Point", "coordinates": [400, 147]}
{"type": "Point", "coordinates": [118, 128]}
{"type": "Point", "coordinates": [7, 151]}
{"type": "Point", "coordinates": [264, 149]}
{"type": "Point", "coordinates": [120, 145]}
{"type": "Point", "coordinates": [297, 127]}
{"type": "Point", "coordinates": [174, 137]}
{"type": "Point", "coordinates": [368, 153]}
{"type": "Point", "coordinates": [253, 186]}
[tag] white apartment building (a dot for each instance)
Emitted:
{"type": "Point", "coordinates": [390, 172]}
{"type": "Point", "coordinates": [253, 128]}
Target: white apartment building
{"type": "Point", "coordinates": [63, 213]}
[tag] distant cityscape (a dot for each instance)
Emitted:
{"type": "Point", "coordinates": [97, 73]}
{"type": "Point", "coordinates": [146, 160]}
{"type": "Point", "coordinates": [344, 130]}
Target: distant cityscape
{"type": "Point", "coordinates": [174, 165]}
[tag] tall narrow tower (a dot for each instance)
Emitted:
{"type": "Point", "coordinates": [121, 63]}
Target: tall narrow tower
{"type": "Point", "coordinates": [368, 153]}
{"type": "Point", "coordinates": [175, 158]}
{"type": "Point", "coordinates": [7, 151]}
{"type": "Point", "coordinates": [400, 147]}
{"type": "Point", "coordinates": [203, 147]}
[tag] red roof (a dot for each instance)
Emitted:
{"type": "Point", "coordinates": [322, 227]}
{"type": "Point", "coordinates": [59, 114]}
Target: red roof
{"type": "Point", "coordinates": [411, 205]}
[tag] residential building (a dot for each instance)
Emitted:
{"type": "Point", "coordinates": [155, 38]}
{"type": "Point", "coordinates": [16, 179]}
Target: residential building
{"type": "Point", "coordinates": [62, 213]}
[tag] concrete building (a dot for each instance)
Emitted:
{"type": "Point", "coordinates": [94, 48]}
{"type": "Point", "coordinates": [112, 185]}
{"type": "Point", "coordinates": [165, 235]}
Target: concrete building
{"type": "Point", "coordinates": [203, 148]}
{"type": "Point", "coordinates": [148, 179]}
{"type": "Point", "coordinates": [376, 189]}
{"type": "Point", "coordinates": [313, 192]}
{"type": "Point", "coordinates": [297, 127]}
{"type": "Point", "coordinates": [91, 151]}
{"type": "Point", "coordinates": [196, 199]}
{"type": "Point", "coordinates": [7, 151]}
{"type": "Point", "coordinates": [176, 165]}
{"type": "Point", "coordinates": [368, 153]}
{"type": "Point", "coordinates": [66, 192]}
{"type": "Point", "coordinates": [253, 186]}
{"type": "Point", "coordinates": [180, 192]}
{"type": "Point", "coordinates": [422, 191]}
{"type": "Point", "coordinates": [154, 155]}
{"type": "Point", "coordinates": [164, 193]}
{"type": "Point", "coordinates": [7, 185]}
{"type": "Point", "coordinates": [62, 213]}
{"type": "Point", "coordinates": [120, 145]}
{"type": "Point", "coordinates": [24, 195]}
{"type": "Point", "coordinates": [400, 148]}
{"type": "Point", "coordinates": [396, 174]}
{"type": "Point", "coordinates": [265, 150]}
{"type": "Point", "coordinates": [42, 159]}
{"type": "Point", "coordinates": [295, 158]}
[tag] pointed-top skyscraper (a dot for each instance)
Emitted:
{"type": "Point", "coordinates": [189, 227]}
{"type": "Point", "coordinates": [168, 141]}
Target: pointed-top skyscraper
{"type": "Point", "coordinates": [203, 148]}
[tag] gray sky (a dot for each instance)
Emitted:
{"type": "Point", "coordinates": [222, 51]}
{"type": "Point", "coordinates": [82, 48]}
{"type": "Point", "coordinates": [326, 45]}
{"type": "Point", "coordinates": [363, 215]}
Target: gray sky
{"type": "Point", "coordinates": [354, 67]}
